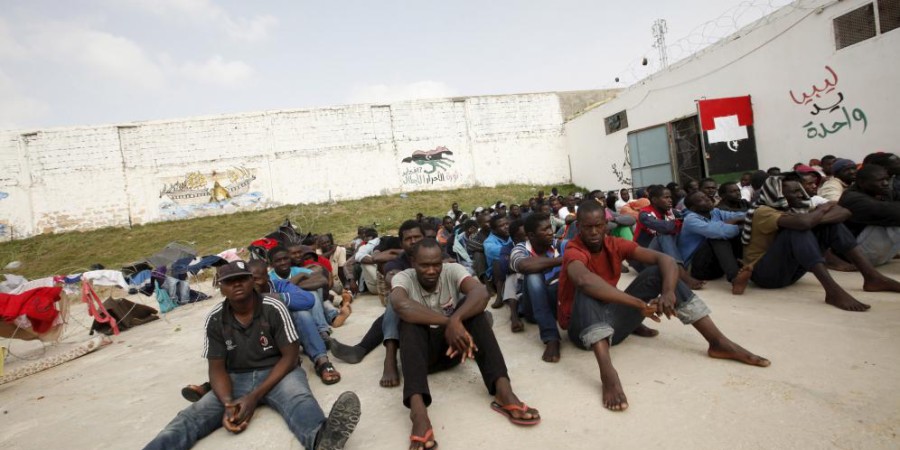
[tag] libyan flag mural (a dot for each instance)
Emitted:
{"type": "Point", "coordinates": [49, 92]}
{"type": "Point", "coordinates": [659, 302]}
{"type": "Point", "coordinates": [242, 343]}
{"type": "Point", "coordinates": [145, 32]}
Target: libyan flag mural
{"type": "Point", "coordinates": [727, 125]}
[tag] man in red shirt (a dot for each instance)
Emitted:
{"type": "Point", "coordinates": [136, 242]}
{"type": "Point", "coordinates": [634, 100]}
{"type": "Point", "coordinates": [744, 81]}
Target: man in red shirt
{"type": "Point", "coordinates": [598, 315]}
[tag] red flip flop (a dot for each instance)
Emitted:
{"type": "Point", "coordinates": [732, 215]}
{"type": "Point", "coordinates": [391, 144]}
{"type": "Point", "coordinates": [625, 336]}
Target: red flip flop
{"type": "Point", "coordinates": [428, 436]}
{"type": "Point", "coordinates": [508, 409]}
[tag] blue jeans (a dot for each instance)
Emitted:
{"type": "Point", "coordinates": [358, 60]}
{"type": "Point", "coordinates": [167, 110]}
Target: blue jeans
{"type": "Point", "coordinates": [322, 314]}
{"type": "Point", "coordinates": [668, 244]}
{"type": "Point", "coordinates": [539, 305]}
{"type": "Point", "coordinates": [663, 243]}
{"type": "Point", "coordinates": [594, 320]}
{"type": "Point", "coordinates": [291, 397]}
{"type": "Point", "coordinates": [310, 339]}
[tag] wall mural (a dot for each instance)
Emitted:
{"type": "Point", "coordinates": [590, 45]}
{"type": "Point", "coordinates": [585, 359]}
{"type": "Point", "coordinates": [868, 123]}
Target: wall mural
{"type": "Point", "coordinates": [825, 103]}
{"type": "Point", "coordinates": [198, 194]}
{"type": "Point", "coordinates": [432, 167]}
{"type": "Point", "coordinates": [622, 173]}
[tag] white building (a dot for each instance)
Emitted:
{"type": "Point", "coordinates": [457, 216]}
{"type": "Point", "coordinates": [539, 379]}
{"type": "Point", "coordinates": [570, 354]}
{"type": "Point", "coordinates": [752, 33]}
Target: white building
{"type": "Point", "coordinates": [823, 77]}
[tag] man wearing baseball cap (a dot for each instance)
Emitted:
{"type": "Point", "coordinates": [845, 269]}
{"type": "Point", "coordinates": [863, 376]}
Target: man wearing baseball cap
{"type": "Point", "coordinates": [252, 349]}
{"type": "Point", "coordinates": [844, 171]}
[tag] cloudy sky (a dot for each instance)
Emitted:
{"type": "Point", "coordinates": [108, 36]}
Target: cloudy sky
{"type": "Point", "coordinates": [68, 63]}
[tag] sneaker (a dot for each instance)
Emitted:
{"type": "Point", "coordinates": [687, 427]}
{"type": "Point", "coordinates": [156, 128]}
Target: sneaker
{"type": "Point", "coordinates": [340, 423]}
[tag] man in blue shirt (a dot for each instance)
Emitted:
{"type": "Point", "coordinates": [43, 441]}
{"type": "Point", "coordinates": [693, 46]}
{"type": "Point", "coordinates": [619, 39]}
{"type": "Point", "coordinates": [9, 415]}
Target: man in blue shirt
{"type": "Point", "coordinates": [282, 270]}
{"type": "Point", "coordinates": [495, 241]}
{"type": "Point", "coordinates": [710, 240]}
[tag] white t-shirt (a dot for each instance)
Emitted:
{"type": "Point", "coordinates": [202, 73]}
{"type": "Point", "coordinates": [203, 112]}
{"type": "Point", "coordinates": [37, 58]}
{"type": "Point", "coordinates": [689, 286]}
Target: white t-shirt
{"type": "Point", "coordinates": [564, 212]}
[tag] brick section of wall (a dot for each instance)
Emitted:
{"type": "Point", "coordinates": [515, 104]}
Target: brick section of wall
{"type": "Point", "coordinates": [86, 178]}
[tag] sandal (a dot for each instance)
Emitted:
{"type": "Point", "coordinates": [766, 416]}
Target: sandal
{"type": "Point", "coordinates": [326, 368]}
{"type": "Point", "coordinates": [508, 409]}
{"type": "Point", "coordinates": [424, 439]}
{"type": "Point", "coordinates": [194, 393]}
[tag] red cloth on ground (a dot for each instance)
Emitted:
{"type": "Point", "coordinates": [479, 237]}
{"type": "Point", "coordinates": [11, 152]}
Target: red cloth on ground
{"type": "Point", "coordinates": [607, 264]}
{"type": "Point", "coordinates": [37, 305]}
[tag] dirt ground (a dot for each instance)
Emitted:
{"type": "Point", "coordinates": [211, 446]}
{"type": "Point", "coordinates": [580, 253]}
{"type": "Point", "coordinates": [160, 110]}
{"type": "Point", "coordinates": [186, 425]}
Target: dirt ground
{"type": "Point", "coordinates": [833, 383]}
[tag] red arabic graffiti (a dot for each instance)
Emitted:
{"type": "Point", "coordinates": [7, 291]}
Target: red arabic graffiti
{"type": "Point", "coordinates": [816, 91]}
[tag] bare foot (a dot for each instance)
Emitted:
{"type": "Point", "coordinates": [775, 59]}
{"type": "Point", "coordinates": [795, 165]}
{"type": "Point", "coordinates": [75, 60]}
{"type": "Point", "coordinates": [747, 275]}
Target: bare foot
{"type": "Point", "coordinates": [391, 376]}
{"type": "Point", "coordinates": [645, 331]}
{"type": "Point", "coordinates": [346, 310]}
{"type": "Point", "coordinates": [516, 325]}
{"type": "Point", "coordinates": [881, 284]}
{"type": "Point", "coordinates": [613, 394]}
{"type": "Point", "coordinates": [730, 350]}
{"type": "Point", "coordinates": [692, 282]}
{"type": "Point", "coordinates": [551, 352]}
{"type": "Point", "coordinates": [834, 262]}
{"type": "Point", "coordinates": [845, 301]}
{"type": "Point", "coordinates": [422, 429]}
{"type": "Point", "coordinates": [741, 280]}
{"type": "Point", "coordinates": [498, 302]}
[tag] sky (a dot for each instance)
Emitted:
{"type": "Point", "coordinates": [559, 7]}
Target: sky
{"type": "Point", "coordinates": [66, 63]}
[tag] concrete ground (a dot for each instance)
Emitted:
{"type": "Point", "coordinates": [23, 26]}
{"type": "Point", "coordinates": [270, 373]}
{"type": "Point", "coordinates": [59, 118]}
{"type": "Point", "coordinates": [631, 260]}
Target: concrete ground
{"type": "Point", "coordinates": [833, 383]}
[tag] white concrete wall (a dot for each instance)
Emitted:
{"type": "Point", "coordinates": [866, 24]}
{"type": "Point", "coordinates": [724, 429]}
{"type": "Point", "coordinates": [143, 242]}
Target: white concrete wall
{"type": "Point", "coordinates": [89, 177]}
{"type": "Point", "coordinates": [788, 53]}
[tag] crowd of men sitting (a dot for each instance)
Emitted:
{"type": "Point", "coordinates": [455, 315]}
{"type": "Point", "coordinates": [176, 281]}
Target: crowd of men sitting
{"type": "Point", "coordinates": [554, 261]}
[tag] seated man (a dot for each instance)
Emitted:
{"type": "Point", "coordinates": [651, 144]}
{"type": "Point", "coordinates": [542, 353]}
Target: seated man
{"type": "Point", "coordinates": [337, 256]}
{"type": "Point", "coordinates": [709, 187]}
{"type": "Point", "coordinates": [891, 162]}
{"type": "Point", "coordinates": [538, 261]}
{"type": "Point", "coordinates": [252, 353]}
{"type": "Point", "coordinates": [844, 171]}
{"type": "Point", "coordinates": [498, 237]}
{"type": "Point", "coordinates": [598, 315]}
{"type": "Point", "coordinates": [438, 330]}
{"type": "Point", "coordinates": [363, 257]}
{"type": "Point", "coordinates": [511, 292]}
{"type": "Point", "coordinates": [385, 329]}
{"type": "Point", "coordinates": [783, 240]}
{"type": "Point", "coordinates": [324, 313]}
{"type": "Point", "coordinates": [710, 241]}
{"type": "Point", "coordinates": [875, 218]}
{"type": "Point", "coordinates": [658, 228]}
{"type": "Point", "coordinates": [299, 303]}
{"type": "Point", "coordinates": [730, 198]}
{"type": "Point", "coordinates": [475, 242]}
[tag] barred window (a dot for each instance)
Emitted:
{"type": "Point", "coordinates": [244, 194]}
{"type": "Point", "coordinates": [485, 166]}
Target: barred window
{"type": "Point", "coordinates": [855, 26]}
{"type": "Point", "coordinates": [888, 15]}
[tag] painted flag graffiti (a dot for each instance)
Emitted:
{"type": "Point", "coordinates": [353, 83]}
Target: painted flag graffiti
{"type": "Point", "coordinates": [727, 125]}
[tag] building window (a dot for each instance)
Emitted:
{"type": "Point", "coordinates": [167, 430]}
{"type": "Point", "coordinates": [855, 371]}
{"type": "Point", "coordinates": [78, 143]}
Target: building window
{"type": "Point", "coordinates": [649, 151]}
{"type": "Point", "coordinates": [616, 122]}
{"type": "Point", "coordinates": [855, 26]}
{"type": "Point", "coordinates": [888, 15]}
{"type": "Point", "coordinates": [860, 24]}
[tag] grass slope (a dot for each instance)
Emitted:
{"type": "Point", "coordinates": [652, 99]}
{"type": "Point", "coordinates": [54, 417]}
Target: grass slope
{"type": "Point", "coordinates": [56, 254]}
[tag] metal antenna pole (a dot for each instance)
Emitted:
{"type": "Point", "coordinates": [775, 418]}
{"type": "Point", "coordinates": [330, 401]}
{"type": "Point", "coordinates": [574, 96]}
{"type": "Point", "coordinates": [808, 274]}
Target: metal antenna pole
{"type": "Point", "coordinates": [659, 41]}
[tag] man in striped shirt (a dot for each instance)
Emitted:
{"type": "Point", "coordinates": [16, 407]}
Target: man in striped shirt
{"type": "Point", "coordinates": [252, 348]}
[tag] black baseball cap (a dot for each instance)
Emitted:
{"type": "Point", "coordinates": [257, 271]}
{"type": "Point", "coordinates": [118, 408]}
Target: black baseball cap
{"type": "Point", "coordinates": [233, 269]}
